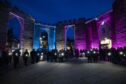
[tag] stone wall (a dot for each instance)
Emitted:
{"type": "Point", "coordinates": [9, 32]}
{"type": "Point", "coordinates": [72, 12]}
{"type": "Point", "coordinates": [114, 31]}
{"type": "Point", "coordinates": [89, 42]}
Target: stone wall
{"type": "Point", "coordinates": [26, 27]}
{"type": "Point", "coordinates": [93, 34]}
{"type": "Point", "coordinates": [60, 37]}
{"type": "Point", "coordinates": [81, 35]}
{"type": "Point", "coordinates": [3, 24]}
{"type": "Point", "coordinates": [119, 22]}
{"type": "Point", "coordinates": [28, 33]}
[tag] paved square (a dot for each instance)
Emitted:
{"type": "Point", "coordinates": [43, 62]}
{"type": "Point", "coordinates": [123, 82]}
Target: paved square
{"type": "Point", "coordinates": [73, 72]}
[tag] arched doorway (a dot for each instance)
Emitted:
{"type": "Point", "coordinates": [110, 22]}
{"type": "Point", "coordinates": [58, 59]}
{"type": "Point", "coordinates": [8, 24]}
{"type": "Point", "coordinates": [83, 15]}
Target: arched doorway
{"type": "Point", "coordinates": [13, 35]}
{"type": "Point", "coordinates": [105, 38]}
{"type": "Point", "coordinates": [70, 37]}
{"type": "Point", "coordinates": [44, 37]}
{"type": "Point", "coordinates": [44, 40]}
{"type": "Point", "coordinates": [15, 30]}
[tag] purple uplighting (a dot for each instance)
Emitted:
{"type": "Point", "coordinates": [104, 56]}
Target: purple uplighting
{"type": "Point", "coordinates": [81, 37]}
{"type": "Point", "coordinates": [90, 36]}
{"type": "Point", "coordinates": [93, 34]}
{"type": "Point", "coordinates": [120, 28]}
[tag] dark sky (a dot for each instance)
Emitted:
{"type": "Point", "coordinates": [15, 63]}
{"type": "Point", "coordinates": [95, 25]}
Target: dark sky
{"type": "Point", "coordinates": [51, 11]}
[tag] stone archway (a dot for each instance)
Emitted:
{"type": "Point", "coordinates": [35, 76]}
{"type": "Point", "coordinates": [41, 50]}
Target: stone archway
{"type": "Point", "coordinates": [69, 37]}
{"type": "Point", "coordinates": [105, 35]}
{"type": "Point", "coordinates": [50, 31]}
{"type": "Point", "coordinates": [44, 39]}
{"type": "Point", "coordinates": [15, 26]}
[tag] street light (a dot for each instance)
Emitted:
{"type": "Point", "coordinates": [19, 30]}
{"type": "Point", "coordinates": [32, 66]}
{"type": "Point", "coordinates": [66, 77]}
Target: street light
{"type": "Point", "coordinates": [55, 53]}
{"type": "Point", "coordinates": [94, 52]}
{"type": "Point", "coordinates": [83, 53]}
{"type": "Point", "coordinates": [43, 36]}
{"type": "Point", "coordinates": [62, 54]}
{"type": "Point", "coordinates": [88, 52]}
{"type": "Point", "coordinates": [91, 49]}
{"type": "Point", "coordinates": [16, 54]}
{"type": "Point", "coordinates": [26, 55]}
{"type": "Point", "coordinates": [121, 53]}
{"type": "Point", "coordinates": [68, 47]}
{"type": "Point", "coordinates": [109, 54]}
{"type": "Point", "coordinates": [41, 57]}
{"type": "Point", "coordinates": [40, 38]}
{"type": "Point", "coordinates": [10, 53]}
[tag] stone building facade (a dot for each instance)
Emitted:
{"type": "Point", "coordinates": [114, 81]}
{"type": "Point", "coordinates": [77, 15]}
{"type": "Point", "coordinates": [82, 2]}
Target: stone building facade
{"type": "Point", "coordinates": [26, 22]}
{"type": "Point", "coordinates": [119, 23]}
{"type": "Point", "coordinates": [3, 24]}
{"type": "Point", "coordinates": [80, 38]}
{"type": "Point", "coordinates": [106, 30]}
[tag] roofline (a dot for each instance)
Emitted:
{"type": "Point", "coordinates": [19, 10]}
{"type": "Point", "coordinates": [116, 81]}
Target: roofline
{"type": "Point", "coordinates": [98, 16]}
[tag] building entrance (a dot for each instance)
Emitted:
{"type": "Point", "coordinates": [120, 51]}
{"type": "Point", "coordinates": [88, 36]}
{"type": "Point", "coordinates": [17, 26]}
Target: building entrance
{"type": "Point", "coordinates": [106, 43]}
{"type": "Point", "coordinates": [70, 37]}
{"type": "Point", "coordinates": [105, 39]}
{"type": "Point", "coordinates": [15, 30]}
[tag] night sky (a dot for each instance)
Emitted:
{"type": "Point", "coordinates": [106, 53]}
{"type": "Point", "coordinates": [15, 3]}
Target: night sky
{"type": "Point", "coordinates": [51, 11]}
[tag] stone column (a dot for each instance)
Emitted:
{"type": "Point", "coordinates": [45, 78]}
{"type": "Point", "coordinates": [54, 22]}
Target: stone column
{"type": "Point", "coordinates": [60, 36]}
{"type": "Point", "coordinates": [4, 16]}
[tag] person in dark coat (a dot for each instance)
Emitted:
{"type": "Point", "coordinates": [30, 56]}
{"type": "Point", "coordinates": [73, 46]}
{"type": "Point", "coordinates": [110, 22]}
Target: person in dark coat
{"type": "Point", "coordinates": [33, 56]}
{"type": "Point", "coordinates": [61, 55]}
{"type": "Point", "coordinates": [5, 57]}
{"type": "Point", "coordinates": [77, 53]}
{"type": "Point", "coordinates": [10, 56]}
{"type": "Point", "coordinates": [55, 54]}
{"type": "Point", "coordinates": [25, 57]}
{"type": "Point", "coordinates": [88, 55]}
{"type": "Point", "coordinates": [38, 54]}
{"type": "Point", "coordinates": [16, 56]}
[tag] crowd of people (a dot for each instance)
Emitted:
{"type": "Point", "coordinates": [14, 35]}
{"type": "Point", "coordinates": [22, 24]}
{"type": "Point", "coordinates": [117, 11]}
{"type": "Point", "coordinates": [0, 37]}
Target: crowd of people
{"type": "Point", "coordinates": [117, 56]}
{"type": "Point", "coordinates": [114, 55]}
{"type": "Point", "coordinates": [16, 56]}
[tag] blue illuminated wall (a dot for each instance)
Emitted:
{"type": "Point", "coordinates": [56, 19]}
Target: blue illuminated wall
{"type": "Point", "coordinates": [36, 42]}
{"type": "Point", "coordinates": [52, 39]}
{"type": "Point", "coordinates": [51, 36]}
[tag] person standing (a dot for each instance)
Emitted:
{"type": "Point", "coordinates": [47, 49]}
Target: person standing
{"type": "Point", "coordinates": [25, 57]}
{"type": "Point", "coordinates": [10, 56]}
{"type": "Point", "coordinates": [38, 55]}
{"type": "Point", "coordinates": [55, 54]}
{"type": "Point", "coordinates": [16, 56]}
{"type": "Point", "coordinates": [33, 55]}
{"type": "Point", "coordinates": [5, 57]}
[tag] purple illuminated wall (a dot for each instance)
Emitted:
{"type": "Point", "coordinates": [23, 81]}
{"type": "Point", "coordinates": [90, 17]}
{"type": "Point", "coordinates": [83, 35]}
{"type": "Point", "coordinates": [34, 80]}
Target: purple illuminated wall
{"type": "Point", "coordinates": [93, 34]}
{"type": "Point", "coordinates": [116, 20]}
{"type": "Point", "coordinates": [120, 30]}
{"type": "Point", "coordinates": [105, 19]}
{"type": "Point", "coordinates": [119, 23]}
{"type": "Point", "coordinates": [88, 34]}
{"type": "Point", "coordinates": [81, 36]}
{"type": "Point", "coordinates": [94, 29]}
